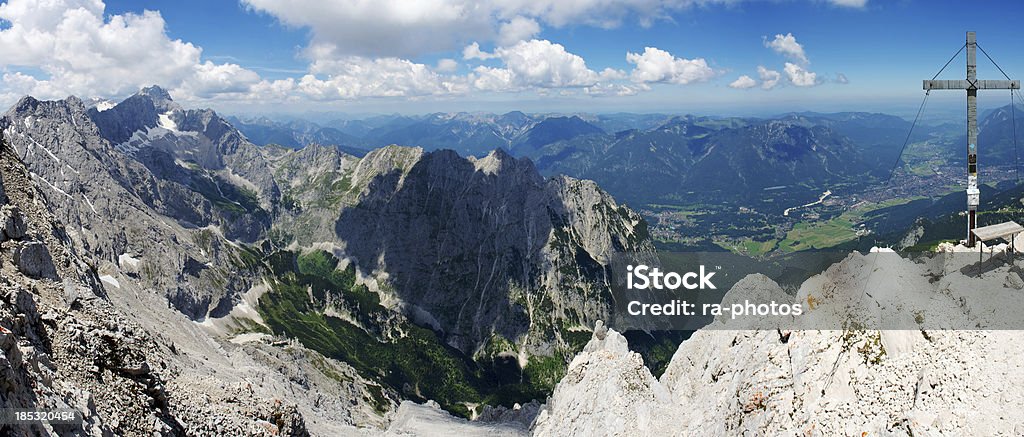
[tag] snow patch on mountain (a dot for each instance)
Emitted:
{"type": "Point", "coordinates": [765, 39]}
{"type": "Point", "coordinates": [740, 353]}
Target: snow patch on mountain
{"type": "Point", "coordinates": [105, 105]}
{"type": "Point", "coordinates": [89, 202]}
{"type": "Point", "coordinates": [110, 280]}
{"type": "Point", "coordinates": [145, 137]}
{"type": "Point", "coordinates": [48, 184]}
{"type": "Point", "coordinates": [164, 120]}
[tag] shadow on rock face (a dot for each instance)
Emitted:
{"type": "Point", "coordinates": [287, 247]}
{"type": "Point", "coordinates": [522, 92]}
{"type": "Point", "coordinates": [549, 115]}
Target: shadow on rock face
{"type": "Point", "coordinates": [454, 240]}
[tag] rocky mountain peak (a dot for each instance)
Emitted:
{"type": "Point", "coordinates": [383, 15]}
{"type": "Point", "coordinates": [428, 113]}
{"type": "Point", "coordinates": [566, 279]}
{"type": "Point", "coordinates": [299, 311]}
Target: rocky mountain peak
{"type": "Point", "coordinates": [60, 109]}
{"type": "Point", "coordinates": [546, 223]}
{"type": "Point", "coordinates": [517, 117]}
{"type": "Point", "coordinates": [683, 126]}
{"type": "Point", "coordinates": [26, 103]}
{"type": "Point", "coordinates": [159, 96]}
{"type": "Point", "coordinates": [501, 161]}
{"type": "Point", "coordinates": [619, 395]}
{"type": "Point", "coordinates": [151, 107]}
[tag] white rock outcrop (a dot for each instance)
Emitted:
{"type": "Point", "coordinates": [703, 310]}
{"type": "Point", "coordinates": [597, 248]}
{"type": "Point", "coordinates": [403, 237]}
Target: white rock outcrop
{"type": "Point", "coordinates": [725, 381]}
{"type": "Point", "coordinates": [606, 391]}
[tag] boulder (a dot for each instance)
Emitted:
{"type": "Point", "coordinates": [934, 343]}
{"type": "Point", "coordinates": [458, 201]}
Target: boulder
{"type": "Point", "coordinates": [1013, 280]}
{"type": "Point", "coordinates": [33, 259]}
{"type": "Point", "coordinates": [12, 222]}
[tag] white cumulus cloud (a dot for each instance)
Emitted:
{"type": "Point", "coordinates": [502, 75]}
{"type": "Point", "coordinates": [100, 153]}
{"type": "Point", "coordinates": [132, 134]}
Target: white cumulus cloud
{"type": "Point", "coordinates": [541, 65]}
{"type": "Point", "coordinates": [517, 29]}
{"type": "Point", "coordinates": [447, 65]}
{"type": "Point", "coordinates": [382, 27]}
{"type": "Point", "coordinates": [769, 78]}
{"type": "Point", "coordinates": [473, 51]}
{"type": "Point", "coordinates": [545, 64]}
{"type": "Point", "coordinates": [796, 72]}
{"type": "Point", "coordinates": [656, 65]}
{"type": "Point", "coordinates": [743, 82]}
{"type": "Point", "coordinates": [356, 49]}
{"type": "Point", "coordinates": [787, 45]}
{"type": "Point", "coordinates": [413, 27]}
{"type": "Point", "coordinates": [355, 76]}
{"type": "Point", "coordinates": [799, 76]}
{"type": "Point", "coordinates": [278, 90]}
{"type": "Point", "coordinates": [493, 79]}
{"type": "Point", "coordinates": [534, 64]}
{"type": "Point", "coordinates": [211, 79]}
{"type": "Point", "coordinates": [80, 50]}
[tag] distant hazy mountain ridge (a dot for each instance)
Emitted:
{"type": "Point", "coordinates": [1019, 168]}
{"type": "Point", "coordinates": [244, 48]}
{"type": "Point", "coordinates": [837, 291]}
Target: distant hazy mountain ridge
{"type": "Point", "coordinates": [652, 158]}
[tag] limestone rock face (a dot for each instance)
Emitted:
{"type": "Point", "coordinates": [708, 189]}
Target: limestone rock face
{"type": "Point", "coordinates": [66, 347]}
{"type": "Point", "coordinates": [473, 247]}
{"type": "Point", "coordinates": [726, 380]}
{"type": "Point", "coordinates": [606, 391]}
{"type": "Point", "coordinates": [112, 204]}
{"type": "Point", "coordinates": [84, 321]}
{"type": "Point", "coordinates": [486, 246]}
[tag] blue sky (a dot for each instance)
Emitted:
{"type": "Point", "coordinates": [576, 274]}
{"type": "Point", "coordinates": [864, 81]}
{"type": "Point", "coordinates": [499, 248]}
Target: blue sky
{"type": "Point", "coordinates": [409, 56]}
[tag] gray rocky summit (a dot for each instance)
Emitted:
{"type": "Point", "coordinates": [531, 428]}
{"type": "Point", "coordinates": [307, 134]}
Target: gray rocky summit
{"type": "Point", "coordinates": [729, 380]}
{"type": "Point", "coordinates": [486, 246]}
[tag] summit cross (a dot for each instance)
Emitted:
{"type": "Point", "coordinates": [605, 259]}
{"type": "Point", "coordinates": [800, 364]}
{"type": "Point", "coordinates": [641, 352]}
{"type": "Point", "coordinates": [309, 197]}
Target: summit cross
{"type": "Point", "coordinates": [972, 85]}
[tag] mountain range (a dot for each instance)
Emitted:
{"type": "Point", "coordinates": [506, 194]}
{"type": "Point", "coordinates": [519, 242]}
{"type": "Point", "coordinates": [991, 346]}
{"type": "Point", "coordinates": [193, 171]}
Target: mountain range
{"type": "Point", "coordinates": [651, 159]}
{"type": "Point", "coordinates": [418, 275]}
{"type": "Point", "coordinates": [182, 266]}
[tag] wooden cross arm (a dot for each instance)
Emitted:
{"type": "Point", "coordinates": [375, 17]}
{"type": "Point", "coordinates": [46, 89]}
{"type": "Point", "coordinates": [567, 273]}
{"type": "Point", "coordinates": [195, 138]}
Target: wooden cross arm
{"type": "Point", "coordinates": [967, 85]}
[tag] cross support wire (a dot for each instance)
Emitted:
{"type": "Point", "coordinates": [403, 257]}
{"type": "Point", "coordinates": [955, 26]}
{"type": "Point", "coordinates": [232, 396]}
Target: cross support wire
{"type": "Point", "coordinates": [972, 85]}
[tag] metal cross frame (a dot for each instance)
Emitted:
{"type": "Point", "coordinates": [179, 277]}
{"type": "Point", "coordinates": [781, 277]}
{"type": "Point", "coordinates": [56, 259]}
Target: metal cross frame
{"type": "Point", "coordinates": [972, 85]}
